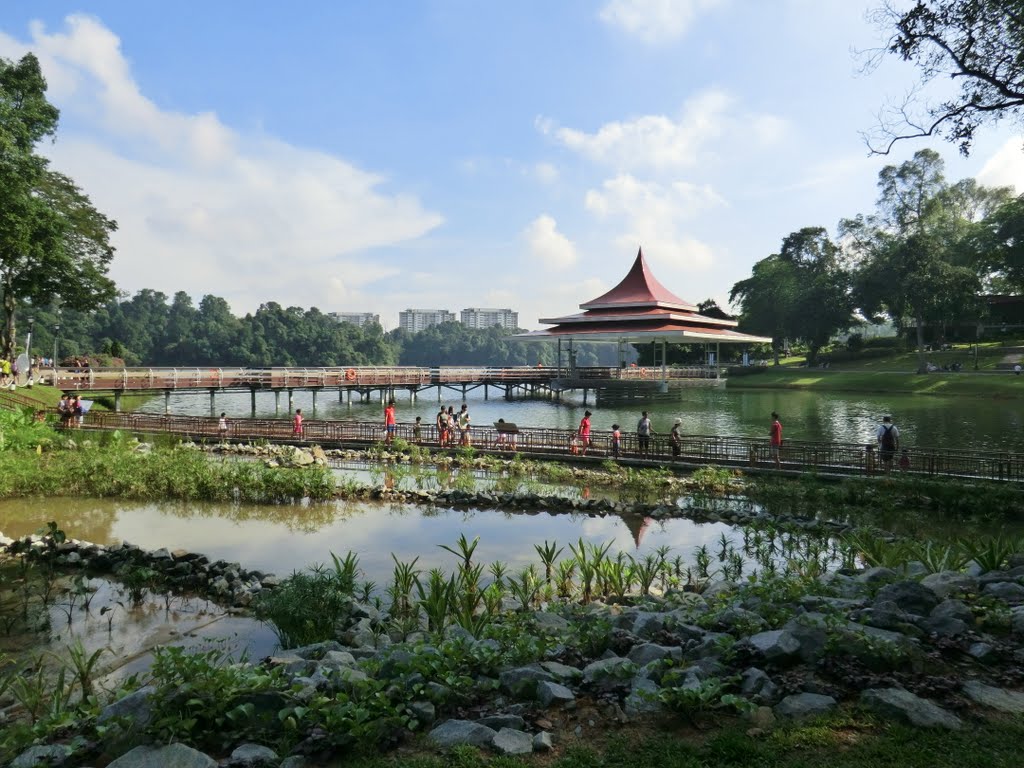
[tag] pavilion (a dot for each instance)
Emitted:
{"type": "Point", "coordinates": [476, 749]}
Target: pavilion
{"type": "Point", "coordinates": [640, 310]}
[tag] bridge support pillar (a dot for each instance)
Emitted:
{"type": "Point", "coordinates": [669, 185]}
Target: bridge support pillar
{"type": "Point", "coordinates": [277, 402]}
{"type": "Point", "coordinates": [117, 402]}
{"type": "Point", "coordinates": [213, 402]}
{"type": "Point", "coordinates": [412, 396]}
{"type": "Point", "coordinates": [485, 393]}
{"type": "Point", "coordinates": [439, 393]}
{"type": "Point", "coordinates": [314, 402]}
{"type": "Point", "coordinates": [584, 395]}
{"type": "Point", "coordinates": [252, 402]}
{"type": "Point", "coordinates": [167, 402]}
{"type": "Point", "coordinates": [463, 391]}
{"type": "Point", "coordinates": [291, 401]}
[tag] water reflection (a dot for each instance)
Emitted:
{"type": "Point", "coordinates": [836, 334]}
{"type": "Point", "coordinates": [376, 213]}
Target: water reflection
{"type": "Point", "coordinates": [924, 420]}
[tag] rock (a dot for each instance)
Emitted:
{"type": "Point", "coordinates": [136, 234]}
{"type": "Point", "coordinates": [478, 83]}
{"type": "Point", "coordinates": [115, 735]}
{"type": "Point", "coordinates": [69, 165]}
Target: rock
{"type": "Point", "coordinates": [642, 698]}
{"type": "Point", "coordinates": [953, 609]}
{"type": "Point", "coordinates": [40, 756]}
{"type": "Point", "coordinates": [877, 575]}
{"type": "Point", "coordinates": [648, 624]}
{"type": "Point", "coordinates": [522, 681]}
{"type": "Point", "coordinates": [454, 733]}
{"type": "Point", "coordinates": [910, 596]}
{"type": "Point", "coordinates": [904, 706]}
{"type": "Point", "coordinates": [755, 684]}
{"type": "Point", "coordinates": [775, 645]}
{"type": "Point", "coordinates": [645, 653]}
{"type": "Point", "coordinates": [946, 583]}
{"type": "Point", "coordinates": [996, 698]}
{"type": "Point", "coordinates": [423, 711]}
{"type": "Point", "coordinates": [717, 589]}
{"type": "Point", "coordinates": [497, 722]}
{"type": "Point", "coordinates": [1006, 591]}
{"type": "Point", "coordinates": [512, 742]}
{"type": "Point", "coordinates": [295, 761]}
{"type": "Point", "coordinates": [170, 756]}
{"type": "Point", "coordinates": [1017, 620]}
{"type": "Point", "coordinates": [602, 670]}
{"type": "Point", "coordinates": [563, 672]}
{"type": "Point", "coordinates": [944, 626]}
{"type": "Point", "coordinates": [762, 718]}
{"type": "Point", "coordinates": [337, 659]}
{"type": "Point", "coordinates": [982, 652]}
{"type": "Point", "coordinates": [803, 705]}
{"type": "Point", "coordinates": [734, 617]}
{"type": "Point", "coordinates": [542, 742]}
{"type": "Point", "coordinates": [253, 756]}
{"type": "Point", "coordinates": [136, 709]}
{"type": "Point", "coordinates": [549, 693]}
{"type": "Point", "coordinates": [550, 622]}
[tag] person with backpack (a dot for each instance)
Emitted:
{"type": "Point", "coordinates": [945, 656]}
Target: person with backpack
{"type": "Point", "coordinates": [888, 437]}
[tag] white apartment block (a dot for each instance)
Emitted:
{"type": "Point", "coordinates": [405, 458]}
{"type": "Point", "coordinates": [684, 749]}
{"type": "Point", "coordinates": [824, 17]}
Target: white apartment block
{"type": "Point", "coordinates": [415, 320]}
{"type": "Point", "coordinates": [478, 317]}
{"type": "Point", "coordinates": [356, 318]}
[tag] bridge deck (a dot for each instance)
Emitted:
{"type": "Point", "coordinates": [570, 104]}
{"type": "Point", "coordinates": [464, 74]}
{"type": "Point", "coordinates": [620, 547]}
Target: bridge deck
{"type": "Point", "coordinates": [834, 458]}
{"type": "Point", "coordinates": [352, 377]}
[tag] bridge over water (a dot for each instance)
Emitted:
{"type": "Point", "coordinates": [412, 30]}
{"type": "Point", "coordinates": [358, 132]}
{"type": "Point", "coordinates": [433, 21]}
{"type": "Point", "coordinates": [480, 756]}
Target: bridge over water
{"type": "Point", "coordinates": [364, 382]}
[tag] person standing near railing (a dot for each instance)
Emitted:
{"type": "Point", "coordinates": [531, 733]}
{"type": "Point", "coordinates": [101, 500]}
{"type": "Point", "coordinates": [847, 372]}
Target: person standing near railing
{"type": "Point", "coordinates": [464, 424]}
{"type": "Point", "coordinates": [888, 437]}
{"type": "Point", "coordinates": [644, 430]}
{"type": "Point", "coordinates": [297, 427]}
{"type": "Point", "coordinates": [584, 433]}
{"type": "Point", "coordinates": [676, 439]}
{"type": "Point", "coordinates": [389, 422]}
{"type": "Point", "coordinates": [775, 439]}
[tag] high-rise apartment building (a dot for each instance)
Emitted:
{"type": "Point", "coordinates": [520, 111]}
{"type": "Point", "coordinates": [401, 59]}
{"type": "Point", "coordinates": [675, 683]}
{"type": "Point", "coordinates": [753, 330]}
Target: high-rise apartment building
{"type": "Point", "coordinates": [477, 317]}
{"type": "Point", "coordinates": [415, 320]}
{"type": "Point", "coordinates": [356, 318]}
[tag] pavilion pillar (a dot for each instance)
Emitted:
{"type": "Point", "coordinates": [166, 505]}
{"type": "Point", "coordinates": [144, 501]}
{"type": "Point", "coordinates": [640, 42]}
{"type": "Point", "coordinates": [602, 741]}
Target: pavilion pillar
{"type": "Point", "coordinates": [252, 402]}
{"type": "Point", "coordinates": [167, 402]}
{"type": "Point", "coordinates": [558, 364]}
{"type": "Point", "coordinates": [277, 402]}
{"type": "Point", "coordinates": [213, 401]}
{"type": "Point", "coordinates": [291, 400]}
{"type": "Point", "coordinates": [718, 358]}
{"type": "Point", "coordinates": [314, 402]}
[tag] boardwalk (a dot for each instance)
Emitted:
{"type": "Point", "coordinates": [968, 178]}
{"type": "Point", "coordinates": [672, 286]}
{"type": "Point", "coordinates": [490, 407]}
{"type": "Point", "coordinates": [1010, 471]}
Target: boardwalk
{"type": "Point", "coordinates": [739, 452]}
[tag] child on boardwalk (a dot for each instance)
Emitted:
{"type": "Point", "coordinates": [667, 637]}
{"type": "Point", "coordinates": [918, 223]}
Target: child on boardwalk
{"type": "Point", "coordinates": [297, 428]}
{"type": "Point", "coordinates": [616, 440]}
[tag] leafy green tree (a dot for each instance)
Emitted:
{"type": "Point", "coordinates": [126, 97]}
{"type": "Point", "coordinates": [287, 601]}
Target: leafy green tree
{"type": "Point", "coordinates": [53, 242]}
{"type": "Point", "coordinates": [974, 44]}
{"type": "Point", "coordinates": [766, 299]}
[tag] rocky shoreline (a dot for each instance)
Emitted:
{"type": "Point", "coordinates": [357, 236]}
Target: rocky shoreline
{"type": "Point", "coordinates": [940, 650]}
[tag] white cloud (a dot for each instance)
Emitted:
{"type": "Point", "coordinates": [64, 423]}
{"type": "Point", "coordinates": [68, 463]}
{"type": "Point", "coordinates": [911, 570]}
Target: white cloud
{"type": "Point", "coordinates": [1005, 167]}
{"type": "Point", "coordinates": [547, 245]}
{"type": "Point", "coordinates": [651, 212]}
{"type": "Point", "coordinates": [654, 21]}
{"type": "Point", "coordinates": [665, 143]}
{"type": "Point", "coordinates": [545, 173]}
{"type": "Point", "coordinates": [204, 207]}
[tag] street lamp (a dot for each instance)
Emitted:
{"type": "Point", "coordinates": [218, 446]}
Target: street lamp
{"type": "Point", "coordinates": [28, 342]}
{"type": "Point", "coordinates": [56, 336]}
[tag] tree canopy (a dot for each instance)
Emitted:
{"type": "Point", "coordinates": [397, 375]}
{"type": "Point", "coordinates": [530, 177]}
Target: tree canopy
{"type": "Point", "coordinates": [54, 245]}
{"type": "Point", "coordinates": [977, 44]}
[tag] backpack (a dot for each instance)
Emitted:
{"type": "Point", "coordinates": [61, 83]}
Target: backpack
{"type": "Point", "coordinates": [888, 439]}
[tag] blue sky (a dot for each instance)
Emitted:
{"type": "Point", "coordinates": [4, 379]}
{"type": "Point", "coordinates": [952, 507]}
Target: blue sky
{"type": "Point", "coordinates": [448, 153]}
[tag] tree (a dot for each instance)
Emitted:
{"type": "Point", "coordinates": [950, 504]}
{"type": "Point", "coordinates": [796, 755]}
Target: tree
{"type": "Point", "coordinates": [977, 44]}
{"type": "Point", "coordinates": [907, 251]}
{"type": "Point", "coordinates": [766, 299]}
{"type": "Point", "coordinates": [53, 243]}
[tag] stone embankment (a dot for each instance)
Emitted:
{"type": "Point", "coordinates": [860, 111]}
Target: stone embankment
{"type": "Point", "coordinates": [941, 651]}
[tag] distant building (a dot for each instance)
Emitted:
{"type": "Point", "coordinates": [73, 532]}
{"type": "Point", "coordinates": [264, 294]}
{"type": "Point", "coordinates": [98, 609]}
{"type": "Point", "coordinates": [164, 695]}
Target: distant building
{"type": "Point", "coordinates": [415, 320]}
{"type": "Point", "coordinates": [356, 318]}
{"type": "Point", "coordinates": [476, 317]}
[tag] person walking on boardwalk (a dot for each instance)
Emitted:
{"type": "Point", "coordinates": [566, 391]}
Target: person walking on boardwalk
{"type": "Point", "coordinates": [222, 427]}
{"type": "Point", "coordinates": [888, 437]}
{"type": "Point", "coordinates": [775, 439]}
{"type": "Point", "coordinates": [441, 422]}
{"type": "Point", "coordinates": [464, 424]}
{"type": "Point", "coordinates": [390, 427]}
{"type": "Point", "coordinates": [676, 439]}
{"type": "Point", "coordinates": [644, 430]}
{"type": "Point", "coordinates": [584, 433]}
{"type": "Point", "coordinates": [297, 429]}
{"type": "Point", "coordinates": [616, 441]}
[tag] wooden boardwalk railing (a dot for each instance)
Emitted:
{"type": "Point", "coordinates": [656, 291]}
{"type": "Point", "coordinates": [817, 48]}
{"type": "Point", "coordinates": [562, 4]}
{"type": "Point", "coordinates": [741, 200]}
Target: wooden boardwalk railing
{"type": "Point", "coordinates": [833, 458]}
{"type": "Point", "coordinates": [355, 377]}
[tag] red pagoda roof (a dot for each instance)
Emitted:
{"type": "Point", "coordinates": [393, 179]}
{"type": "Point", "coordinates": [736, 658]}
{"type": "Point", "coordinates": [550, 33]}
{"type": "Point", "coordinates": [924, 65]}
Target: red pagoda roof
{"type": "Point", "coordinates": [639, 288]}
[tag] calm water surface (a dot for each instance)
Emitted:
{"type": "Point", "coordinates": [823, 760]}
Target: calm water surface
{"type": "Point", "coordinates": [923, 420]}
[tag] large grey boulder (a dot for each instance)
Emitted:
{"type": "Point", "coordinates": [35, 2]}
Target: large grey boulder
{"type": "Point", "coordinates": [904, 706]}
{"type": "Point", "coordinates": [996, 698]}
{"type": "Point", "coordinates": [550, 622]}
{"type": "Point", "coordinates": [876, 575]}
{"type": "Point", "coordinates": [497, 722]}
{"type": "Point", "coordinates": [512, 742]}
{"type": "Point", "coordinates": [755, 684]}
{"type": "Point", "coordinates": [803, 705]}
{"type": "Point", "coordinates": [562, 672]}
{"type": "Point", "coordinates": [41, 755]}
{"type": "Point", "coordinates": [253, 756]}
{"type": "Point", "coordinates": [522, 681]}
{"type": "Point", "coordinates": [645, 653]}
{"type": "Point", "coordinates": [607, 670]}
{"type": "Point", "coordinates": [134, 710]}
{"type": "Point", "coordinates": [910, 596]}
{"type": "Point", "coordinates": [775, 645]}
{"type": "Point", "coordinates": [542, 742]}
{"type": "Point", "coordinates": [1006, 591]}
{"type": "Point", "coordinates": [642, 698]}
{"type": "Point", "coordinates": [946, 583]}
{"type": "Point", "coordinates": [1017, 620]}
{"type": "Point", "coordinates": [170, 756]}
{"type": "Point", "coordinates": [647, 624]}
{"type": "Point", "coordinates": [554, 694]}
{"type": "Point", "coordinates": [456, 733]}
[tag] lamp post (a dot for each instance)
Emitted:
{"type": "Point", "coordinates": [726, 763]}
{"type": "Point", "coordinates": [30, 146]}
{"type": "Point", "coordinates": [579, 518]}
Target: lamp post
{"type": "Point", "coordinates": [56, 337]}
{"type": "Point", "coordinates": [28, 342]}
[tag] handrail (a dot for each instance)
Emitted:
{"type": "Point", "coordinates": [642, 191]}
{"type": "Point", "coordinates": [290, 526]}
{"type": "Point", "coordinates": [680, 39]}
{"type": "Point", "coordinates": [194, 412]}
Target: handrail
{"type": "Point", "coordinates": [803, 456]}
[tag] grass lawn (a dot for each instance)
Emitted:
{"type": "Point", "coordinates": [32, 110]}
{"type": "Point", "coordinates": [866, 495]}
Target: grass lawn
{"type": "Point", "coordinates": [48, 397]}
{"type": "Point", "coordinates": [844, 741]}
{"type": "Point", "coordinates": [961, 384]}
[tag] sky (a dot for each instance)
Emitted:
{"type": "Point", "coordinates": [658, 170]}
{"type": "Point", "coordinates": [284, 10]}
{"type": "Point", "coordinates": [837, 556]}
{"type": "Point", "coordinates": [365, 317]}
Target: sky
{"type": "Point", "coordinates": [445, 154]}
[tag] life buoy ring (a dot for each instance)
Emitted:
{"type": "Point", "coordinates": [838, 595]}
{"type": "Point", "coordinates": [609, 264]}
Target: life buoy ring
{"type": "Point", "coordinates": [643, 372]}
{"type": "Point", "coordinates": [350, 374]}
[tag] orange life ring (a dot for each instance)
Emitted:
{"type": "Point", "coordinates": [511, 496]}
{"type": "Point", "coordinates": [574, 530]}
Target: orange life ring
{"type": "Point", "coordinates": [350, 374]}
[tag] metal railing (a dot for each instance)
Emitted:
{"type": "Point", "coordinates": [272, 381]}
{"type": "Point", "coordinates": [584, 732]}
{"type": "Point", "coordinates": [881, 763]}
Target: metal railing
{"type": "Point", "coordinates": [803, 456]}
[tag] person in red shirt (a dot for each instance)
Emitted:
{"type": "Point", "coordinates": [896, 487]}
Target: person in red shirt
{"type": "Point", "coordinates": [297, 428]}
{"type": "Point", "coordinates": [389, 422]}
{"type": "Point", "coordinates": [775, 438]}
{"type": "Point", "coordinates": [584, 433]}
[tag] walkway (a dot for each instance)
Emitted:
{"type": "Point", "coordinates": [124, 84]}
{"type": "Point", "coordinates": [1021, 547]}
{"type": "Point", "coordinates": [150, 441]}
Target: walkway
{"type": "Point", "coordinates": [739, 452]}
